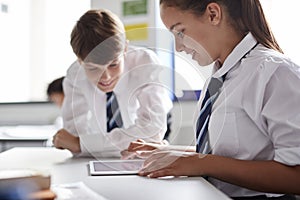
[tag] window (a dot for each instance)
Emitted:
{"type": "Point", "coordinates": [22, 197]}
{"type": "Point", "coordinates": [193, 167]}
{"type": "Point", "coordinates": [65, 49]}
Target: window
{"type": "Point", "coordinates": [35, 47]}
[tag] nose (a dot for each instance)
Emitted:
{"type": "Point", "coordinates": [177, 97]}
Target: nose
{"type": "Point", "coordinates": [179, 46]}
{"type": "Point", "coordinates": [105, 75]}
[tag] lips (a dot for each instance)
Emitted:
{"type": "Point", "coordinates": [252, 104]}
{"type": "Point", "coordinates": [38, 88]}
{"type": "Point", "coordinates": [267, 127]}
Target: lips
{"type": "Point", "coordinates": [105, 84]}
{"type": "Point", "coordinates": [192, 53]}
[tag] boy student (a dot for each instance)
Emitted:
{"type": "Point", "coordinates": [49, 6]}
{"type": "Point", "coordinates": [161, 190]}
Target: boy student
{"type": "Point", "coordinates": [112, 92]}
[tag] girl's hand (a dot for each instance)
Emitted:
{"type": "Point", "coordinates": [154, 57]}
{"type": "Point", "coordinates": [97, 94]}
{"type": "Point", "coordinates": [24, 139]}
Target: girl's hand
{"type": "Point", "coordinates": [142, 149]}
{"type": "Point", "coordinates": [173, 163]}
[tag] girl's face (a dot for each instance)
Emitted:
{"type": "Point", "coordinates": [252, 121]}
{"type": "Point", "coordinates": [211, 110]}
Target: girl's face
{"type": "Point", "coordinates": [105, 77]}
{"type": "Point", "coordinates": [192, 33]}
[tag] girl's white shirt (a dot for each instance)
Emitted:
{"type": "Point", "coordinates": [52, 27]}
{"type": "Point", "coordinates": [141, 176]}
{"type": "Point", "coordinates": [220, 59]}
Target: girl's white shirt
{"type": "Point", "coordinates": [143, 97]}
{"type": "Point", "coordinates": [257, 115]}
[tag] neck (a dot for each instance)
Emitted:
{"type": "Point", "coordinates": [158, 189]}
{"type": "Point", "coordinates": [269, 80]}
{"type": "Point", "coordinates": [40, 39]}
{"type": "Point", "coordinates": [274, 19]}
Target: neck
{"type": "Point", "coordinates": [230, 40]}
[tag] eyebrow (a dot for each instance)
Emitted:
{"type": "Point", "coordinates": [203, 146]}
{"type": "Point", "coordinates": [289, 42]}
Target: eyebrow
{"type": "Point", "coordinates": [173, 26]}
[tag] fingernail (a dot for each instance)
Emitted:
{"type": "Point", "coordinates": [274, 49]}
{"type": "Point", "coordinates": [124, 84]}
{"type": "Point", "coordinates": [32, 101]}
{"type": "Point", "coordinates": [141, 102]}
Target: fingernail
{"type": "Point", "coordinates": [139, 152]}
{"type": "Point", "coordinates": [142, 173]}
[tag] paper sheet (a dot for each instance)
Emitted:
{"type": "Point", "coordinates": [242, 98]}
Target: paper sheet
{"type": "Point", "coordinates": [75, 191]}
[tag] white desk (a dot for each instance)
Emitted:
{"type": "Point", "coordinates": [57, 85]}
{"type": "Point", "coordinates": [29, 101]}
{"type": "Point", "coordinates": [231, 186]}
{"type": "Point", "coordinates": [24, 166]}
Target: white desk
{"type": "Point", "coordinates": [65, 169]}
{"type": "Point", "coordinates": [26, 136]}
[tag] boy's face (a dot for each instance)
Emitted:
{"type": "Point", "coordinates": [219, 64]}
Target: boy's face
{"type": "Point", "coordinates": [105, 77]}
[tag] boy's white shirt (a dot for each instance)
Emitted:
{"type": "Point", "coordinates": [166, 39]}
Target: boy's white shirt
{"type": "Point", "coordinates": [143, 99]}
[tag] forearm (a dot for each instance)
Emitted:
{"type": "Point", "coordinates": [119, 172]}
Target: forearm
{"type": "Point", "coordinates": [265, 176]}
{"type": "Point", "coordinates": [178, 148]}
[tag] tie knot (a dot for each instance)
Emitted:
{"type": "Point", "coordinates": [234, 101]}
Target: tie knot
{"type": "Point", "coordinates": [109, 94]}
{"type": "Point", "coordinates": [214, 85]}
{"type": "Point", "coordinates": [109, 97]}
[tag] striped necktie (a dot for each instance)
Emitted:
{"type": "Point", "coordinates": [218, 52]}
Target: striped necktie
{"type": "Point", "coordinates": [202, 143]}
{"type": "Point", "coordinates": [212, 93]}
{"type": "Point", "coordinates": [113, 115]}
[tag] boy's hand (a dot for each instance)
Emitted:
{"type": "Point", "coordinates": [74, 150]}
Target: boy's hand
{"type": "Point", "coordinates": [65, 140]}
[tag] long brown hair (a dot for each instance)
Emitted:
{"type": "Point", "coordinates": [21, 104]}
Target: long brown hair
{"type": "Point", "coordinates": [246, 16]}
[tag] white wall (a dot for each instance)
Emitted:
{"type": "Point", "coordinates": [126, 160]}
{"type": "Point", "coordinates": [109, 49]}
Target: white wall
{"type": "Point", "coordinates": [283, 17]}
{"type": "Point", "coordinates": [14, 45]}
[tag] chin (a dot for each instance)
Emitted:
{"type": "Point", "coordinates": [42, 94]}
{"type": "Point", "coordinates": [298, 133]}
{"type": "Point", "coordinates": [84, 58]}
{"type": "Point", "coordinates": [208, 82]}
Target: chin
{"type": "Point", "coordinates": [203, 61]}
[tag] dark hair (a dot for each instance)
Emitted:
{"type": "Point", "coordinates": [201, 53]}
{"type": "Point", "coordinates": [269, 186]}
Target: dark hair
{"type": "Point", "coordinates": [55, 86]}
{"type": "Point", "coordinates": [98, 37]}
{"type": "Point", "coordinates": [246, 16]}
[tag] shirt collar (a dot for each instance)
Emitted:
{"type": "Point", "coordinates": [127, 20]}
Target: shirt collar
{"type": "Point", "coordinates": [235, 56]}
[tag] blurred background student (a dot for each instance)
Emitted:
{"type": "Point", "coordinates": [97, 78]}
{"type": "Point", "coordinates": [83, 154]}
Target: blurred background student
{"type": "Point", "coordinates": [55, 91]}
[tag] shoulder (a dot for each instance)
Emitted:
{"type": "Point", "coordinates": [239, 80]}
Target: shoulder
{"type": "Point", "coordinates": [75, 71]}
{"type": "Point", "coordinates": [73, 67]}
{"type": "Point", "coordinates": [270, 63]}
{"type": "Point", "coordinates": [137, 56]}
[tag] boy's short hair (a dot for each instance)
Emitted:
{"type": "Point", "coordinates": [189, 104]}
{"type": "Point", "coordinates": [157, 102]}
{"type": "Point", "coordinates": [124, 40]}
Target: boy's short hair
{"type": "Point", "coordinates": [98, 37]}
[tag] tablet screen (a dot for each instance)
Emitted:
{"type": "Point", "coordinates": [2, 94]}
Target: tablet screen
{"type": "Point", "coordinates": [117, 167]}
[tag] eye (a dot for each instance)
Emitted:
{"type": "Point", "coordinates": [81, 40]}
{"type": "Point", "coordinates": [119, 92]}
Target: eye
{"type": "Point", "coordinates": [114, 65]}
{"type": "Point", "coordinates": [180, 34]}
{"type": "Point", "coordinates": [90, 68]}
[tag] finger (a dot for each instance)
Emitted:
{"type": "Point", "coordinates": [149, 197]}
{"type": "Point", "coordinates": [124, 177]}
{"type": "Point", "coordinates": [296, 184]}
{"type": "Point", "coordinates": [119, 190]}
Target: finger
{"type": "Point", "coordinates": [54, 141]}
{"type": "Point", "coordinates": [161, 173]}
{"type": "Point", "coordinates": [143, 154]}
{"type": "Point", "coordinates": [141, 140]}
{"type": "Point", "coordinates": [125, 155]}
{"type": "Point", "coordinates": [154, 165]}
{"type": "Point", "coordinates": [134, 145]}
{"type": "Point", "coordinates": [153, 155]}
{"type": "Point", "coordinates": [156, 173]}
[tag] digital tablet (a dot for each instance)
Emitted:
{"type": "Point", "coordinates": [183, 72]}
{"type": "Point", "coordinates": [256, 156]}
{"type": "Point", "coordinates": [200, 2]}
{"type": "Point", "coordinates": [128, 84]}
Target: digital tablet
{"type": "Point", "coordinates": [115, 167]}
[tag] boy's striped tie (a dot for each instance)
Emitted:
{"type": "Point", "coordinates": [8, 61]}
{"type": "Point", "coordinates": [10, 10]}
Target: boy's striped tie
{"type": "Point", "coordinates": [114, 119]}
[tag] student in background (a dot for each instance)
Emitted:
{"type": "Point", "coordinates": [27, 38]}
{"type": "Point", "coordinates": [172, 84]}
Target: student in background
{"type": "Point", "coordinates": [248, 123]}
{"type": "Point", "coordinates": [55, 91]}
{"type": "Point", "coordinates": [112, 92]}
{"type": "Point", "coordinates": [56, 95]}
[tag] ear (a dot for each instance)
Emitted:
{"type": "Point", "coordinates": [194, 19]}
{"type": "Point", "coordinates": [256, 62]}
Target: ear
{"type": "Point", "coordinates": [79, 61]}
{"type": "Point", "coordinates": [214, 12]}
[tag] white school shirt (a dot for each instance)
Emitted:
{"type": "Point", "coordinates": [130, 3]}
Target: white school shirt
{"type": "Point", "coordinates": [143, 99]}
{"type": "Point", "coordinates": [257, 115]}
